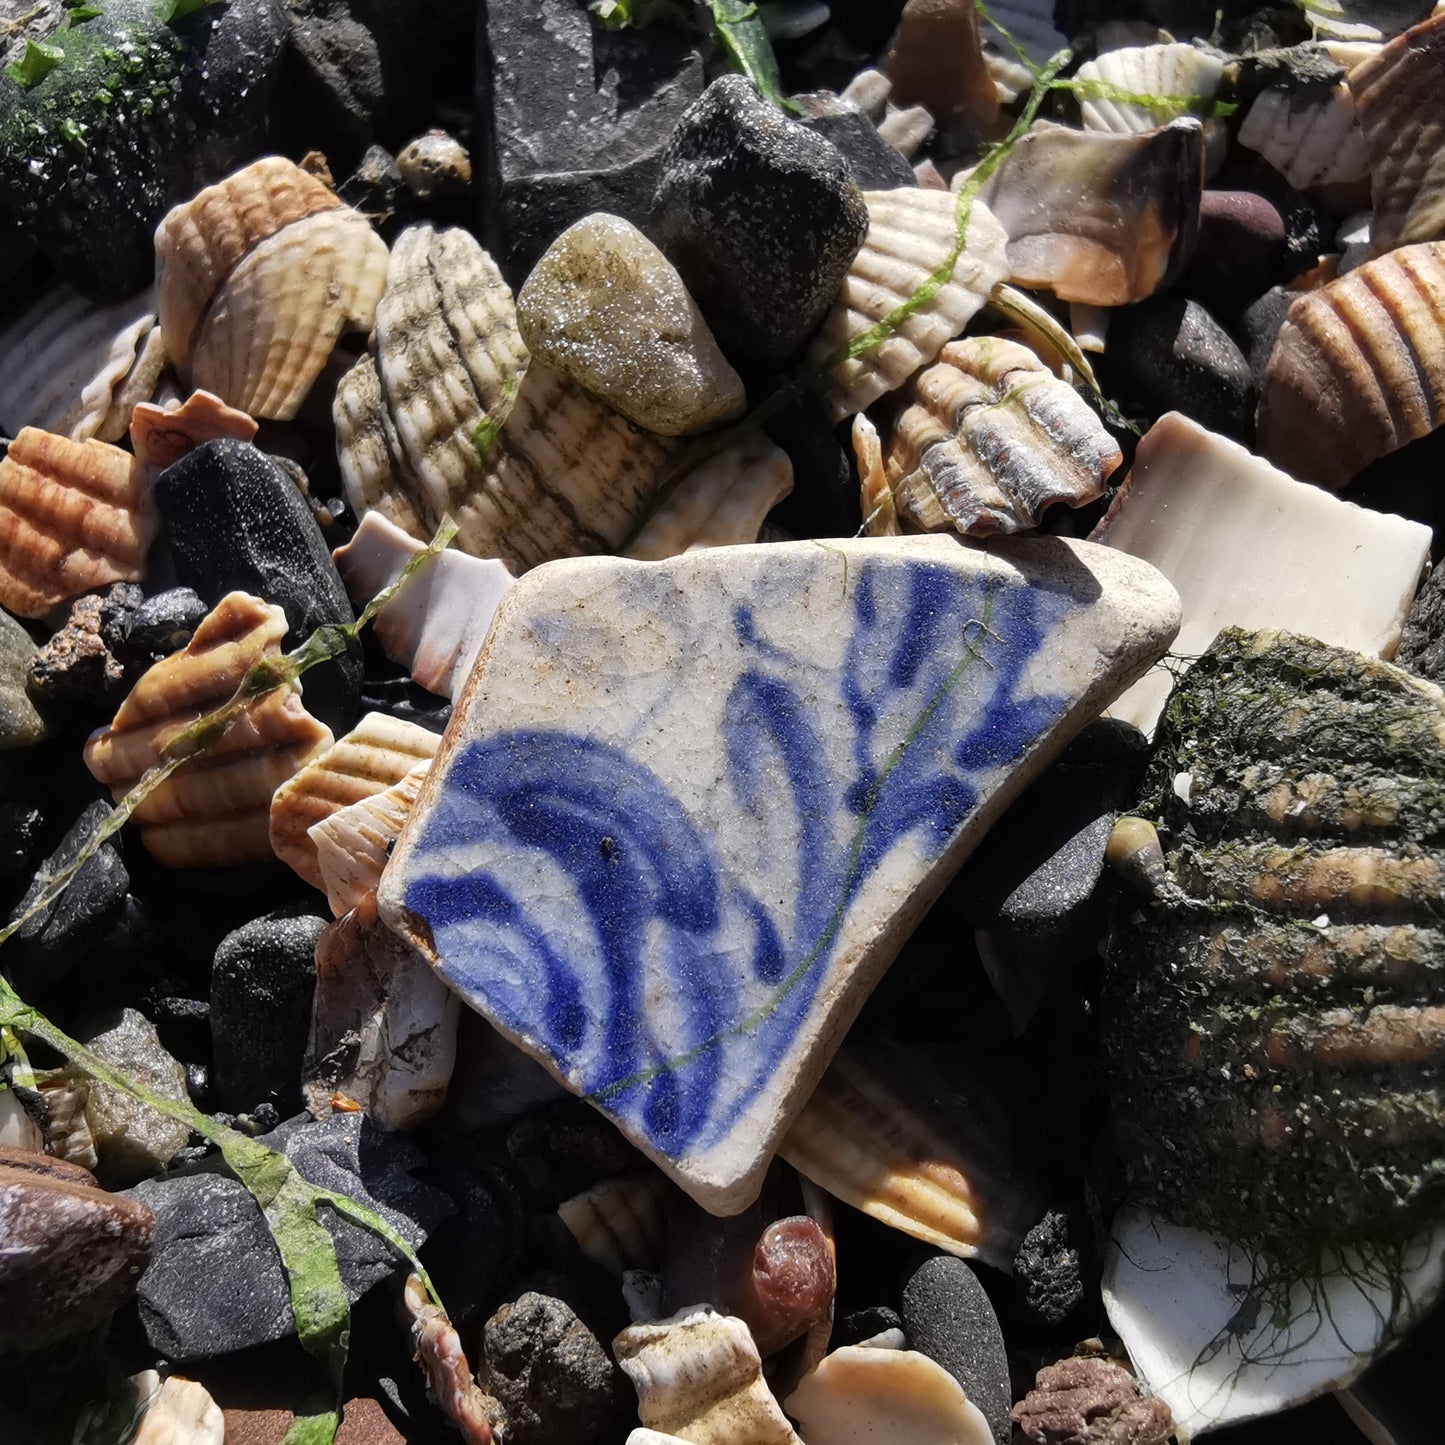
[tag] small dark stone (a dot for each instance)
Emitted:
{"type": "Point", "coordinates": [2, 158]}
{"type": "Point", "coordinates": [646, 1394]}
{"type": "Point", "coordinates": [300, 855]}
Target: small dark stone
{"type": "Point", "coordinates": [1307, 233]}
{"type": "Point", "coordinates": [121, 600]}
{"type": "Point", "coordinates": [375, 188]}
{"type": "Point", "coordinates": [1239, 254]}
{"type": "Point", "coordinates": [1422, 648]}
{"type": "Point", "coordinates": [760, 215]}
{"type": "Point", "coordinates": [824, 501]}
{"type": "Point", "coordinates": [555, 1380]}
{"type": "Point", "coordinates": [74, 665]}
{"type": "Point", "coordinates": [21, 824]}
{"type": "Point", "coordinates": [1259, 328]}
{"type": "Point", "coordinates": [862, 1325]}
{"type": "Point", "coordinates": [262, 984]}
{"type": "Point", "coordinates": [1170, 354]}
{"type": "Point", "coordinates": [873, 163]}
{"type": "Point", "coordinates": [561, 1150]}
{"type": "Point", "coordinates": [1054, 1269]}
{"type": "Point", "coordinates": [142, 630]}
{"type": "Point", "coordinates": [198, 1085]}
{"type": "Point", "coordinates": [948, 1317]}
{"type": "Point", "coordinates": [400, 697]}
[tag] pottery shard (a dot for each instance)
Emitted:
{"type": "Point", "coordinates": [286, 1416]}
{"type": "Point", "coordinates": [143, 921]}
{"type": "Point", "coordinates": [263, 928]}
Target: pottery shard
{"type": "Point", "coordinates": [1091, 1401]}
{"type": "Point", "coordinates": [215, 808]}
{"type": "Point", "coordinates": [73, 516]}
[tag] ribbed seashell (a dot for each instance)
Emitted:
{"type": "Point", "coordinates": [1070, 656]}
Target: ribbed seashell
{"type": "Point", "coordinates": [1100, 218]}
{"type": "Point", "coordinates": [435, 626]}
{"type": "Point", "coordinates": [66, 1128]}
{"type": "Point", "coordinates": [1363, 19]}
{"type": "Point", "coordinates": [1400, 99]}
{"type": "Point", "coordinates": [369, 451]}
{"type": "Point", "coordinates": [179, 1412]}
{"type": "Point", "coordinates": [353, 844]}
{"type": "Point", "coordinates": [621, 1223]}
{"type": "Point", "coordinates": [1182, 78]}
{"type": "Point", "coordinates": [990, 440]}
{"type": "Point", "coordinates": [858, 1395]}
{"type": "Point", "coordinates": [160, 435]}
{"type": "Point", "coordinates": [200, 243]}
{"type": "Point", "coordinates": [1273, 1016]}
{"type": "Point", "coordinates": [911, 233]}
{"type": "Point", "coordinates": [73, 516]}
{"type": "Point", "coordinates": [945, 1177]}
{"type": "Point", "coordinates": [723, 500]}
{"type": "Point", "coordinates": [213, 810]}
{"type": "Point", "coordinates": [74, 368]}
{"type": "Point", "coordinates": [1310, 134]}
{"type": "Point", "coordinates": [698, 1375]}
{"type": "Point", "coordinates": [1358, 369]}
{"type": "Point", "coordinates": [378, 752]}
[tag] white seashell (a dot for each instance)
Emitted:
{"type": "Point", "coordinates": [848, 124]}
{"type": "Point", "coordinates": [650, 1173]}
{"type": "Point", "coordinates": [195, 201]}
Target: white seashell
{"type": "Point", "coordinates": [621, 1224]}
{"type": "Point", "coordinates": [353, 844]}
{"type": "Point", "coordinates": [436, 624]}
{"type": "Point", "coordinates": [911, 233]}
{"type": "Point", "coordinates": [722, 501]}
{"type": "Point", "coordinates": [369, 453]}
{"type": "Point", "coordinates": [179, 1412]}
{"type": "Point", "coordinates": [859, 1395]}
{"type": "Point", "coordinates": [1312, 137]}
{"type": "Point", "coordinates": [1187, 75]}
{"type": "Point", "coordinates": [1369, 20]}
{"type": "Point", "coordinates": [875, 496]}
{"type": "Point", "coordinates": [698, 1376]}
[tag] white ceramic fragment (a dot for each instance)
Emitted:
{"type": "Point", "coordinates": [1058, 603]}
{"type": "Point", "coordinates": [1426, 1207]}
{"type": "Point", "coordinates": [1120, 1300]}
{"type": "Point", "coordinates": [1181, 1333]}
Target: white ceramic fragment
{"type": "Point", "coordinates": [1247, 546]}
{"type": "Point", "coordinates": [861, 1394]}
{"type": "Point", "coordinates": [687, 812]}
{"type": "Point", "coordinates": [1219, 1342]}
{"type": "Point", "coordinates": [436, 623]}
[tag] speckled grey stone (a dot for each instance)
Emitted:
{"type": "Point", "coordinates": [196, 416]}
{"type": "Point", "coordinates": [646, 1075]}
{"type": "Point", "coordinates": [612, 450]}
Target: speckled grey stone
{"type": "Point", "coordinates": [20, 724]}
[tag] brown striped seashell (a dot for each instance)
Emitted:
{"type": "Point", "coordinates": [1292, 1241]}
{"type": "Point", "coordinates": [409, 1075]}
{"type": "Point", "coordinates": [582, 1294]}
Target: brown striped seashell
{"type": "Point", "coordinates": [621, 1223]}
{"type": "Point", "coordinates": [1400, 100]}
{"type": "Point", "coordinates": [1099, 218]}
{"type": "Point", "coordinates": [911, 233]}
{"type": "Point", "coordinates": [1358, 369]}
{"type": "Point", "coordinates": [1182, 77]}
{"type": "Point", "coordinates": [73, 516]}
{"type": "Point", "coordinates": [378, 752]}
{"type": "Point", "coordinates": [160, 435]}
{"type": "Point", "coordinates": [989, 441]}
{"type": "Point", "coordinates": [369, 452]}
{"type": "Point", "coordinates": [213, 810]}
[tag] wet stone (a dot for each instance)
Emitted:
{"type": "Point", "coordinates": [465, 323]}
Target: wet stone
{"type": "Point", "coordinates": [1259, 328]}
{"type": "Point", "coordinates": [1240, 252]}
{"type": "Point", "coordinates": [1422, 648]}
{"type": "Point", "coordinates": [20, 723]}
{"type": "Point", "coordinates": [874, 164]}
{"type": "Point", "coordinates": [21, 824]}
{"type": "Point", "coordinates": [138, 629]}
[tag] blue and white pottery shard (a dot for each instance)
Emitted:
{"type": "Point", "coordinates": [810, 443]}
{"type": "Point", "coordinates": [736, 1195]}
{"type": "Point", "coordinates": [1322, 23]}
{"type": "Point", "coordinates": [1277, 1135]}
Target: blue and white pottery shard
{"type": "Point", "coordinates": [687, 812]}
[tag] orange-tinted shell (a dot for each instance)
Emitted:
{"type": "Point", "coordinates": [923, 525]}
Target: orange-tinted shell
{"type": "Point", "coordinates": [73, 516]}
{"type": "Point", "coordinates": [162, 435]}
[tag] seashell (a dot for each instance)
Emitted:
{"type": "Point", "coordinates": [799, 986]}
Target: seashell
{"type": "Point", "coordinates": [1019, 25]}
{"type": "Point", "coordinates": [352, 844]}
{"type": "Point", "coordinates": [875, 496]}
{"type": "Point", "coordinates": [437, 1348]}
{"type": "Point", "coordinates": [383, 1025]}
{"type": "Point", "coordinates": [990, 440]}
{"type": "Point", "coordinates": [66, 1127]}
{"type": "Point", "coordinates": [1401, 108]}
{"type": "Point", "coordinates": [434, 164]}
{"type": "Point", "coordinates": [17, 1129]}
{"type": "Point", "coordinates": [911, 234]}
{"type": "Point", "coordinates": [905, 128]}
{"type": "Point", "coordinates": [858, 1395]}
{"type": "Point", "coordinates": [1099, 218]}
{"type": "Point", "coordinates": [1358, 369]}
{"type": "Point", "coordinates": [378, 752]}
{"type": "Point", "coordinates": [74, 516]}
{"type": "Point", "coordinates": [698, 1375]}
{"type": "Point", "coordinates": [369, 451]}
{"type": "Point", "coordinates": [215, 808]}
{"type": "Point", "coordinates": [70, 365]}
{"type": "Point", "coordinates": [943, 1176]}
{"type": "Point", "coordinates": [723, 500]}
{"type": "Point", "coordinates": [160, 435]}
{"type": "Point", "coordinates": [1363, 19]}
{"type": "Point", "coordinates": [436, 625]}
{"type": "Point", "coordinates": [621, 1224]}
{"type": "Point", "coordinates": [1182, 78]}
{"type": "Point", "coordinates": [936, 65]}
{"type": "Point", "coordinates": [178, 1412]}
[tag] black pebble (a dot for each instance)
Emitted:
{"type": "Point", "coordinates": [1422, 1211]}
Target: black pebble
{"type": "Point", "coordinates": [1055, 1268]}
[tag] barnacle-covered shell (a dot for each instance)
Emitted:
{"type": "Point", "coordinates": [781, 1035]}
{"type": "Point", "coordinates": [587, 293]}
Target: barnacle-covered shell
{"type": "Point", "coordinates": [352, 844]}
{"type": "Point", "coordinates": [1358, 368]}
{"type": "Point", "coordinates": [698, 1375]}
{"type": "Point", "coordinates": [1178, 78]}
{"type": "Point", "coordinates": [178, 1412]}
{"type": "Point", "coordinates": [1274, 1021]}
{"type": "Point", "coordinates": [73, 516]}
{"type": "Point", "coordinates": [1100, 218]}
{"type": "Point", "coordinates": [990, 439]}
{"type": "Point", "coordinates": [621, 1223]}
{"type": "Point", "coordinates": [69, 366]}
{"type": "Point", "coordinates": [1363, 19]}
{"type": "Point", "coordinates": [215, 808]}
{"type": "Point", "coordinates": [1400, 99]}
{"type": "Point", "coordinates": [378, 752]}
{"type": "Point", "coordinates": [1303, 120]}
{"type": "Point", "coordinates": [911, 233]}
{"type": "Point", "coordinates": [162, 434]}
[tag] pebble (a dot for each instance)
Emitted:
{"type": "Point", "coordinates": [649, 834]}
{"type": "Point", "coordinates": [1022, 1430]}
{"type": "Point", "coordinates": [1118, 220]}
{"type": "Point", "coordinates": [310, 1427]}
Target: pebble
{"type": "Point", "coordinates": [936, 61]}
{"type": "Point", "coordinates": [1259, 328]}
{"type": "Point", "coordinates": [74, 665]}
{"type": "Point", "coordinates": [262, 982]}
{"type": "Point", "coordinates": [948, 1317]}
{"type": "Point", "coordinates": [760, 215]}
{"type": "Point", "coordinates": [435, 164]}
{"type": "Point", "coordinates": [874, 164]}
{"type": "Point", "coordinates": [340, 80]}
{"type": "Point", "coordinates": [608, 308]}
{"type": "Point", "coordinates": [1086, 1400]}
{"type": "Point", "coordinates": [138, 629]}
{"type": "Point", "coordinates": [1239, 254]}
{"type": "Point", "coordinates": [1055, 1269]}
{"type": "Point", "coordinates": [20, 723]}
{"type": "Point", "coordinates": [861, 1326]}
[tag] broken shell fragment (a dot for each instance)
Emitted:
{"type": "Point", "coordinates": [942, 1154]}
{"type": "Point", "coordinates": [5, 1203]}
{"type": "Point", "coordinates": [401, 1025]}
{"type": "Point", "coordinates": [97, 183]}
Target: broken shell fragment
{"type": "Point", "coordinates": [353, 843]}
{"type": "Point", "coordinates": [990, 439]}
{"type": "Point", "coordinates": [1304, 121]}
{"type": "Point", "coordinates": [1099, 218]}
{"type": "Point", "coordinates": [379, 751]}
{"type": "Point", "coordinates": [621, 1224]}
{"type": "Point", "coordinates": [1368, 20]}
{"type": "Point", "coordinates": [911, 234]}
{"type": "Point", "coordinates": [1171, 80]}
{"type": "Point", "coordinates": [1358, 369]}
{"type": "Point", "coordinates": [178, 1412]}
{"type": "Point", "coordinates": [214, 809]}
{"type": "Point", "coordinates": [438, 1350]}
{"type": "Point", "coordinates": [160, 435]}
{"type": "Point", "coordinates": [74, 516]}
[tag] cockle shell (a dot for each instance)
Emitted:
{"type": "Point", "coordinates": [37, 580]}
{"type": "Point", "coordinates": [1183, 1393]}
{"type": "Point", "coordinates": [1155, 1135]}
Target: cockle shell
{"type": "Point", "coordinates": [178, 1412]}
{"type": "Point", "coordinates": [911, 233]}
{"type": "Point", "coordinates": [73, 516]}
{"type": "Point", "coordinates": [1358, 368]}
{"type": "Point", "coordinates": [352, 844]}
{"type": "Point", "coordinates": [699, 1377]}
{"type": "Point", "coordinates": [378, 752]}
{"type": "Point", "coordinates": [1304, 122]}
{"type": "Point", "coordinates": [74, 368]}
{"type": "Point", "coordinates": [160, 435]}
{"type": "Point", "coordinates": [1273, 1018]}
{"type": "Point", "coordinates": [990, 439]}
{"type": "Point", "coordinates": [215, 808]}
{"type": "Point", "coordinates": [1400, 100]}
{"type": "Point", "coordinates": [1100, 218]}
{"type": "Point", "coordinates": [621, 1223]}
{"type": "Point", "coordinates": [1181, 78]}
